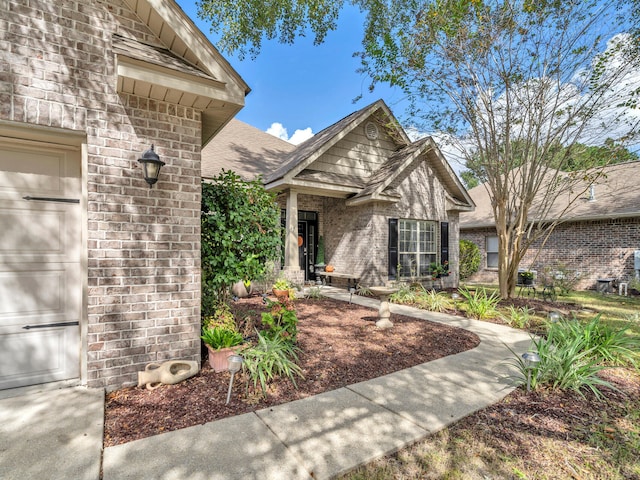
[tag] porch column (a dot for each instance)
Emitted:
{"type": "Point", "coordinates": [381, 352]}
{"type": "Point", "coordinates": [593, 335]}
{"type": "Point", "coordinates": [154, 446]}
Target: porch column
{"type": "Point", "coordinates": [291, 257]}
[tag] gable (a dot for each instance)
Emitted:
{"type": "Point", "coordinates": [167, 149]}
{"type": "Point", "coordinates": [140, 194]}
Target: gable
{"type": "Point", "coordinates": [177, 64]}
{"type": "Point", "coordinates": [356, 154]}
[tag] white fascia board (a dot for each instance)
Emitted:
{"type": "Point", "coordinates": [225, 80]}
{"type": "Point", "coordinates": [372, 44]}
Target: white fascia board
{"type": "Point", "coordinates": [175, 80]}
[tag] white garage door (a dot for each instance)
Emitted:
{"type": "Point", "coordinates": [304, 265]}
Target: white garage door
{"type": "Point", "coordinates": [40, 245]}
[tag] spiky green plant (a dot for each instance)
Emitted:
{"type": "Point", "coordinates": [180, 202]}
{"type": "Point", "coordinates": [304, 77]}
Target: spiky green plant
{"type": "Point", "coordinates": [518, 317]}
{"type": "Point", "coordinates": [479, 304]}
{"type": "Point", "coordinates": [271, 357]}
{"type": "Point", "coordinates": [433, 301]}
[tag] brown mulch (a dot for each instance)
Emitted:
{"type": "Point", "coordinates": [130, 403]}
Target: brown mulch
{"type": "Point", "coordinates": [340, 345]}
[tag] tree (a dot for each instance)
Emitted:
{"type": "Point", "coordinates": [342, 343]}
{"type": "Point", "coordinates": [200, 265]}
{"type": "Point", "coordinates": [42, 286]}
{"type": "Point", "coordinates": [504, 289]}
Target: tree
{"type": "Point", "coordinates": [240, 234]}
{"type": "Point", "coordinates": [518, 83]}
{"type": "Point", "coordinates": [582, 157]}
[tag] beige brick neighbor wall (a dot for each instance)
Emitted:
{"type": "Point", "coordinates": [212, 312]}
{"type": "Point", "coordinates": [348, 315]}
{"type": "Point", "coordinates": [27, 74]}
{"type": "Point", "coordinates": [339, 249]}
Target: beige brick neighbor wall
{"type": "Point", "coordinates": [596, 249]}
{"type": "Point", "coordinates": [143, 245]}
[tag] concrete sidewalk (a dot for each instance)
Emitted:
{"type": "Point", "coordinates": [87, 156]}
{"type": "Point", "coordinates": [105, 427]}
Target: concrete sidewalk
{"type": "Point", "coordinates": [52, 434]}
{"type": "Point", "coordinates": [58, 435]}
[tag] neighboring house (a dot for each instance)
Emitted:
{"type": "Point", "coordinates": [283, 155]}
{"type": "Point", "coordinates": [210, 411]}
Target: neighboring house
{"type": "Point", "coordinates": [597, 239]}
{"type": "Point", "coordinates": [99, 273]}
{"type": "Point", "coordinates": [378, 199]}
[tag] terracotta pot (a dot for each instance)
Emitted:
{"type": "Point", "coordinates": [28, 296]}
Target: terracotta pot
{"type": "Point", "coordinates": [329, 268]}
{"type": "Point", "coordinates": [284, 294]}
{"type": "Point", "coordinates": [218, 358]}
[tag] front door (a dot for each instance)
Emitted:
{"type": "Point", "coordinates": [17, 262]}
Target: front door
{"type": "Point", "coordinates": [40, 269]}
{"type": "Point", "coordinates": [307, 247]}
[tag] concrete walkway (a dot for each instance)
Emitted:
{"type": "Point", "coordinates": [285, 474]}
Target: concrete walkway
{"type": "Point", "coordinates": [314, 438]}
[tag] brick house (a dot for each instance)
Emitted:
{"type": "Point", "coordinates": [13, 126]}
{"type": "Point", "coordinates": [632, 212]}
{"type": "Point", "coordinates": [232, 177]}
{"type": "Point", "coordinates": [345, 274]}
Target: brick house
{"type": "Point", "coordinates": [597, 238]}
{"type": "Point", "coordinates": [99, 273]}
{"type": "Point", "coordinates": [363, 186]}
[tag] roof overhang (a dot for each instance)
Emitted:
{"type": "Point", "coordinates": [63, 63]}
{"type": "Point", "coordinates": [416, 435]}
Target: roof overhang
{"type": "Point", "coordinates": [206, 81]}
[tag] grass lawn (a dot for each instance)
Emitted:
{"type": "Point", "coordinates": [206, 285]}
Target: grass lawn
{"type": "Point", "coordinates": [546, 434]}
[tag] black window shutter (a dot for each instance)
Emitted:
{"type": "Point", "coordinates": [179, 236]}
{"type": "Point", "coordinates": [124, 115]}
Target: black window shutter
{"type": "Point", "coordinates": [444, 242]}
{"type": "Point", "coordinates": [393, 248]}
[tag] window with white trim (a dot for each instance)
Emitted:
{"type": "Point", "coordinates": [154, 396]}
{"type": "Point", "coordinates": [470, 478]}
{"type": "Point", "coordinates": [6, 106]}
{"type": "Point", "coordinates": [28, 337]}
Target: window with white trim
{"type": "Point", "coordinates": [417, 247]}
{"type": "Point", "coordinates": [492, 252]}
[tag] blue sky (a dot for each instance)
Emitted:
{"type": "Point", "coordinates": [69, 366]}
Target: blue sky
{"type": "Point", "coordinates": [304, 86]}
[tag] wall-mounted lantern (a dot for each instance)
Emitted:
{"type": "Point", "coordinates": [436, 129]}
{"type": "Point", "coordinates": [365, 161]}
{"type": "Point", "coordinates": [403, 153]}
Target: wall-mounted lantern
{"type": "Point", "coordinates": [151, 165]}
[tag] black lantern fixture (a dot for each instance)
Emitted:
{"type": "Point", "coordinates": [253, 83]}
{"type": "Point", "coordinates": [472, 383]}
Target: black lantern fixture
{"type": "Point", "coordinates": [151, 165]}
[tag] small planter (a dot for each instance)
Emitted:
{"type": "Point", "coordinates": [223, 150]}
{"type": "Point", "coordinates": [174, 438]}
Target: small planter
{"type": "Point", "coordinates": [218, 358]}
{"type": "Point", "coordinates": [281, 294]}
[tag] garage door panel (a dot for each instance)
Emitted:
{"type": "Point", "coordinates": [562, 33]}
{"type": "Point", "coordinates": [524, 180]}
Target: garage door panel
{"type": "Point", "coordinates": [38, 295]}
{"type": "Point", "coordinates": [34, 172]}
{"type": "Point", "coordinates": [40, 263]}
{"type": "Point", "coordinates": [37, 233]}
{"type": "Point", "coordinates": [44, 355]}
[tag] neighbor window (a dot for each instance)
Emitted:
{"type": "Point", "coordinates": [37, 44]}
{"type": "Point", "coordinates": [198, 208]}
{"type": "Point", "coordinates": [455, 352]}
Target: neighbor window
{"type": "Point", "coordinates": [417, 247]}
{"type": "Point", "coordinates": [492, 252]}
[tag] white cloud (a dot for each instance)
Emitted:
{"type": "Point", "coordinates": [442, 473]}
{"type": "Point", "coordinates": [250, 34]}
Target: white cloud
{"type": "Point", "coordinates": [300, 136]}
{"type": "Point", "coordinates": [278, 130]}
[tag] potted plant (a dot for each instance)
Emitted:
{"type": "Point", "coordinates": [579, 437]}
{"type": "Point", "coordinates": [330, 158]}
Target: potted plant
{"type": "Point", "coordinates": [319, 265]}
{"type": "Point", "coordinates": [219, 342]}
{"type": "Point", "coordinates": [282, 288]}
{"type": "Point", "coordinates": [525, 277]}
{"type": "Point", "coordinates": [439, 270]}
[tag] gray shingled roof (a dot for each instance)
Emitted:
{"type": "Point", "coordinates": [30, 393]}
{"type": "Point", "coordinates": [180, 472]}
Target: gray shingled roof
{"type": "Point", "coordinates": [251, 152]}
{"type": "Point", "coordinates": [155, 55]}
{"type": "Point", "coordinates": [316, 145]}
{"type": "Point", "coordinates": [616, 196]}
{"type": "Point", "coordinates": [244, 149]}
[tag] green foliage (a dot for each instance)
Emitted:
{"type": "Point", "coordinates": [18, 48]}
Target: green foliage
{"type": "Point", "coordinates": [469, 179]}
{"type": "Point", "coordinates": [220, 316]}
{"type": "Point", "coordinates": [271, 357]}
{"type": "Point", "coordinates": [364, 291]}
{"type": "Point", "coordinates": [479, 304]}
{"type": "Point", "coordinates": [608, 344]}
{"type": "Point", "coordinates": [221, 337]}
{"type": "Point", "coordinates": [282, 284]}
{"type": "Point", "coordinates": [519, 317]}
{"type": "Point", "coordinates": [314, 293]}
{"type": "Point", "coordinates": [566, 367]}
{"type": "Point", "coordinates": [433, 301]}
{"type": "Point", "coordinates": [243, 25]}
{"type": "Point", "coordinates": [572, 354]}
{"type": "Point", "coordinates": [406, 294]}
{"type": "Point", "coordinates": [439, 269]}
{"type": "Point", "coordinates": [240, 233]}
{"type": "Point", "coordinates": [469, 258]}
{"type": "Point", "coordinates": [281, 320]}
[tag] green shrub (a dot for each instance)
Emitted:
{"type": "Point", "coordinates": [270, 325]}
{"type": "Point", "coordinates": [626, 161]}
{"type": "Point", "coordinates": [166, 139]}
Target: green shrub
{"type": "Point", "coordinates": [480, 305]}
{"type": "Point", "coordinates": [610, 345]}
{"type": "Point", "coordinates": [572, 354]}
{"type": "Point", "coordinates": [407, 294]}
{"type": "Point", "coordinates": [281, 320]}
{"type": "Point", "coordinates": [271, 358]}
{"type": "Point", "coordinates": [434, 301]}
{"type": "Point", "coordinates": [221, 337]}
{"type": "Point", "coordinates": [240, 233]}
{"type": "Point", "coordinates": [469, 258]}
{"type": "Point", "coordinates": [519, 317]}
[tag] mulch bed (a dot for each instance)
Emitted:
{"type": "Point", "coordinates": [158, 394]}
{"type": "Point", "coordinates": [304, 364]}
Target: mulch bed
{"type": "Point", "coordinates": [340, 345]}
